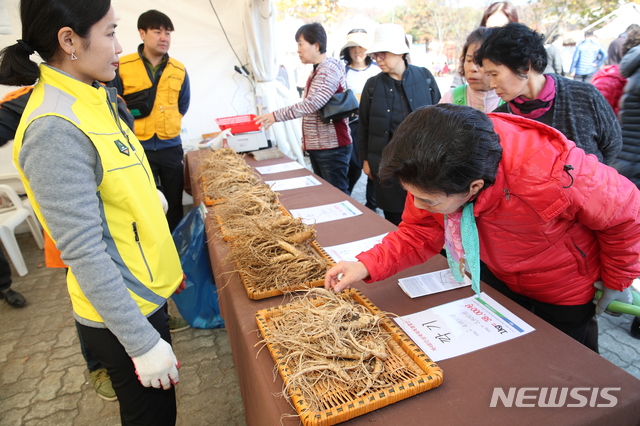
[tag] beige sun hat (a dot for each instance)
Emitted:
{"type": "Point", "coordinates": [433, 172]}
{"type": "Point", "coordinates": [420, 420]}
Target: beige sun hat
{"type": "Point", "coordinates": [356, 39]}
{"type": "Point", "coordinates": [389, 38]}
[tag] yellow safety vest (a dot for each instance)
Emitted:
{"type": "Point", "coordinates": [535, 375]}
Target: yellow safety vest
{"type": "Point", "coordinates": [135, 229]}
{"type": "Point", "coordinates": [165, 119]}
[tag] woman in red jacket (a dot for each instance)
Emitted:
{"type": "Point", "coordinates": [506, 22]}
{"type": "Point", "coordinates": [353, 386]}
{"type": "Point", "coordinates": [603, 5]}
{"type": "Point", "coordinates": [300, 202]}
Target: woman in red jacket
{"type": "Point", "coordinates": [550, 219]}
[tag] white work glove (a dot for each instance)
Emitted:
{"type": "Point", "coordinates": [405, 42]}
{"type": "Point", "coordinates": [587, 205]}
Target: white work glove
{"type": "Point", "coordinates": [158, 367]}
{"type": "Point", "coordinates": [163, 202]}
{"type": "Point", "coordinates": [609, 295]}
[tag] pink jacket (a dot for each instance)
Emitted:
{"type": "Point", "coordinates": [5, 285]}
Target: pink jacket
{"type": "Point", "coordinates": [546, 231]}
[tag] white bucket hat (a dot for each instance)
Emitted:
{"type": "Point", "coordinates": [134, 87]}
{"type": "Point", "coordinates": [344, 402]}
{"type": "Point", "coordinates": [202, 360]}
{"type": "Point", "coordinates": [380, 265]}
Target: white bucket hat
{"type": "Point", "coordinates": [357, 39]}
{"type": "Point", "coordinates": [389, 38]}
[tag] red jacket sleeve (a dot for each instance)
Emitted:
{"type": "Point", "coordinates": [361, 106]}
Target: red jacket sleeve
{"type": "Point", "coordinates": [419, 237]}
{"type": "Point", "coordinates": [609, 204]}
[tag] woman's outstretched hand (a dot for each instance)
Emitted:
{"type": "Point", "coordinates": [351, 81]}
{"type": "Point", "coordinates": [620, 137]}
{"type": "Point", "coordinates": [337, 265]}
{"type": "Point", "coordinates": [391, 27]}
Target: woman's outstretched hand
{"type": "Point", "coordinates": [265, 121]}
{"type": "Point", "coordinates": [344, 274]}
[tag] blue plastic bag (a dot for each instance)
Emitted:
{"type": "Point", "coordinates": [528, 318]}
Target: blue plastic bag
{"type": "Point", "coordinates": [198, 302]}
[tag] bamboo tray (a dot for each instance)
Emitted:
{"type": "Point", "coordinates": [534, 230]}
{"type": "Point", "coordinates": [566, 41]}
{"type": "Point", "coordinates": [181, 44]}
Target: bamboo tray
{"type": "Point", "coordinates": [417, 371]}
{"type": "Point", "coordinates": [255, 293]}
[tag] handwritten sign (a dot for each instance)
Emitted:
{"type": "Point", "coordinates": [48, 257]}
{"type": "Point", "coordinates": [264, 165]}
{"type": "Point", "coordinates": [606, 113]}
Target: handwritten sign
{"type": "Point", "coordinates": [462, 326]}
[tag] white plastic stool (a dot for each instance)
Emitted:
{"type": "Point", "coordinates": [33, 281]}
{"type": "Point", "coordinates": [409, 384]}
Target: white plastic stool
{"type": "Point", "coordinates": [10, 217]}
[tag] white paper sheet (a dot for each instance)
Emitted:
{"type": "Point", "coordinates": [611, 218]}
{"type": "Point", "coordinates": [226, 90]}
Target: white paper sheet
{"type": "Point", "coordinates": [326, 213]}
{"type": "Point", "coordinates": [278, 168]}
{"type": "Point", "coordinates": [433, 282]}
{"type": "Point", "coordinates": [293, 183]}
{"type": "Point", "coordinates": [348, 251]}
{"type": "Point", "coordinates": [462, 326]}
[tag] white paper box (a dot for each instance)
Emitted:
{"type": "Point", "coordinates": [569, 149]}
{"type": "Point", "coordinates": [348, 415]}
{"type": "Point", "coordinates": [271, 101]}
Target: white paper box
{"type": "Point", "coordinates": [249, 141]}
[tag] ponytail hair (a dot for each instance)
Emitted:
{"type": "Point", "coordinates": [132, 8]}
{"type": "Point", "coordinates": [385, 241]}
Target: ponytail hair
{"type": "Point", "coordinates": [41, 21]}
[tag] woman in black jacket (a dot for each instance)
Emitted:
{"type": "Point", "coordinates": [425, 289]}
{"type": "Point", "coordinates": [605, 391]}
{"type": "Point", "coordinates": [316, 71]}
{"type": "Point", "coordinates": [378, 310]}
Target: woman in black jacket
{"type": "Point", "coordinates": [386, 100]}
{"type": "Point", "coordinates": [628, 161]}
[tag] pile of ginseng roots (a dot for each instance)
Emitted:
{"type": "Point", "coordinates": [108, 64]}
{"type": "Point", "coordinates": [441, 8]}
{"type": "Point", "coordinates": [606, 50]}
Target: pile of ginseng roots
{"type": "Point", "coordinates": [333, 348]}
{"type": "Point", "coordinates": [271, 249]}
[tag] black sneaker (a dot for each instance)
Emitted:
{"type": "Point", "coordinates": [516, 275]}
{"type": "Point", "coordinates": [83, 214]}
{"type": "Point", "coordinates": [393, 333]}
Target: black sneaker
{"type": "Point", "coordinates": [13, 298]}
{"type": "Point", "coordinates": [635, 328]}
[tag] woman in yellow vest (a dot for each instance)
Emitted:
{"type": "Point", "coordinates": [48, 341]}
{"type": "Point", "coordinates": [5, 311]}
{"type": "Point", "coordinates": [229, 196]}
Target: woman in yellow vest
{"type": "Point", "coordinates": [92, 189]}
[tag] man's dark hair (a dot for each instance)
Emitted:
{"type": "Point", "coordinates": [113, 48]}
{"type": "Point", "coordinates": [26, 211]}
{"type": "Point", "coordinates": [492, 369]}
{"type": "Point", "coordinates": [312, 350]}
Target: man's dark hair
{"type": "Point", "coordinates": [443, 148]}
{"type": "Point", "coordinates": [313, 33]}
{"type": "Point", "coordinates": [515, 46]}
{"type": "Point", "coordinates": [154, 20]}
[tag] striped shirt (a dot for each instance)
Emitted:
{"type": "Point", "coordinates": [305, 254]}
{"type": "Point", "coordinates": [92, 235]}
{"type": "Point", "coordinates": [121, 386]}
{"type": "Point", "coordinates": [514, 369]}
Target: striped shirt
{"type": "Point", "coordinates": [327, 79]}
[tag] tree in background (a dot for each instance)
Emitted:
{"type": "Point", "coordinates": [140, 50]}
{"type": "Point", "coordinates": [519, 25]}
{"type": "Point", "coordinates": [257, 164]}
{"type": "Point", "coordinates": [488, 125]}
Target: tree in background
{"type": "Point", "coordinates": [312, 10]}
{"type": "Point", "coordinates": [551, 16]}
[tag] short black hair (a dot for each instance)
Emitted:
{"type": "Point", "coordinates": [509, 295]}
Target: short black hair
{"type": "Point", "coordinates": [515, 46]}
{"type": "Point", "coordinates": [443, 148]}
{"type": "Point", "coordinates": [313, 33]}
{"type": "Point", "coordinates": [41, 21]}
{"type": "Point", "coordinates": [154, 20]}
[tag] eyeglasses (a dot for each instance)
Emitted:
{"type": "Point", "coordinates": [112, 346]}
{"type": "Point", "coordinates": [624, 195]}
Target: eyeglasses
{"type": "Point", "coordinates": [378, 56]}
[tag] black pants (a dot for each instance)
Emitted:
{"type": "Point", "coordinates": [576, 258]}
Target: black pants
{"type": "Point", "coordinates": [393, 217]}
{"type": "Point", "coordinates": [5, 272]}
{"type": "Point", "coordinates": [355, 165]}
{"type": "Point", "coordinates": [573, 320]}
{"type": "Point", "coordinates": [139, 405]}
{"type": "Point", "coordinates": [167, 166]}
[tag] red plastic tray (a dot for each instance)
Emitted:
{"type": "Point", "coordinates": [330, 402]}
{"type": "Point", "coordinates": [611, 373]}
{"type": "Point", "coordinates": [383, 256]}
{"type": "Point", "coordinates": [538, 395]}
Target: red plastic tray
{"type": "Point", "coordinates": [238, 123]}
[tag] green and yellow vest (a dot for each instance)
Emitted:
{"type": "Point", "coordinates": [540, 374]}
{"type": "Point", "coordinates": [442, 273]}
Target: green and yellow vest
{"type": "Point", "coordinates": [134, 226]}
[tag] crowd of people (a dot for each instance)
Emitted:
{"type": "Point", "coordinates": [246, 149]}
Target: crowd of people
{"type": "Point", "coordinates": [541, 202]}
{"type": "Point", "coordinates": [533, 181]}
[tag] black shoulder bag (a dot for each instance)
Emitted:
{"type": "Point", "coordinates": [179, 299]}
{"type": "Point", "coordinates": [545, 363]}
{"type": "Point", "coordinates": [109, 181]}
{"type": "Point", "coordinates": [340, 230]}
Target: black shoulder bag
{"type": "Point", "coordinates": [140, 104]}
{"type": "Point", "coordinates": [341, 105]}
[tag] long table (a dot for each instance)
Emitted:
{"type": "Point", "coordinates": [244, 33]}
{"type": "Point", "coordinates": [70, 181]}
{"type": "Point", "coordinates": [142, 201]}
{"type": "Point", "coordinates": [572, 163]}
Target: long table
{"type": "Point", "coordinates": [545, 358]}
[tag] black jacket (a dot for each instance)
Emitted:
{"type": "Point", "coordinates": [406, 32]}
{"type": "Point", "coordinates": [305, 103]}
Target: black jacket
{"type": "Point", "coordinates": [375, 114]}
{"type": "Point", "coordinates": [628, 161]}
{"type": "Point", "coordinates": [585, 117]}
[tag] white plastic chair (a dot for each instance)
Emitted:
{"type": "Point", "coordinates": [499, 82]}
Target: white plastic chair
{"type": "Point", "coordinates": [12, 216]}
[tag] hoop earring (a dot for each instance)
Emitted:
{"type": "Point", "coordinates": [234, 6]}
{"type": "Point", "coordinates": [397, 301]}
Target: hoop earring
{"type": "Point", "coordinates": [73, 56]}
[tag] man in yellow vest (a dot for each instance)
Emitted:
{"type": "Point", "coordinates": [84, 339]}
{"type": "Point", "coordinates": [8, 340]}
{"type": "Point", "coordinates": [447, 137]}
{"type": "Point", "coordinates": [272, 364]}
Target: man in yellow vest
{"type": "Point", "coordinates": [156, 89]}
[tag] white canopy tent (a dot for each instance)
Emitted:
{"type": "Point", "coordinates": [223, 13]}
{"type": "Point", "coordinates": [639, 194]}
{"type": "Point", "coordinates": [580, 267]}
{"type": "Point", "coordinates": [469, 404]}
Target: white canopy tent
{"type": "Point", "coordinates": [617, 21]}
{"type": "Point", "coordinates": [200, 42]}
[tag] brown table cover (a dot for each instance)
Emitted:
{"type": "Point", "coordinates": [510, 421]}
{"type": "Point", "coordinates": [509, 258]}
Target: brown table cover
{"type": "Point", "coordinates": [545, 358]}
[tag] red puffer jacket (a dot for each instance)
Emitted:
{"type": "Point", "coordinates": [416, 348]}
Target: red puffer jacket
{"type": "Point", "coordinates": [546, 230]}
{"type": "Point", "coordinates": [611, 84]}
